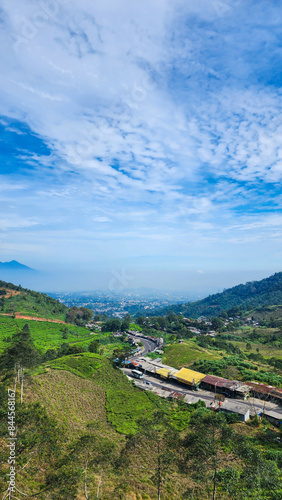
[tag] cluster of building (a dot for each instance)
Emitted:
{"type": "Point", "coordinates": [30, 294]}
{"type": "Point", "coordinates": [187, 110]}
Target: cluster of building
{"type": "Point", "coordinates": [218, 385]}
{"type": "Point", "coordinates": [221, 387]}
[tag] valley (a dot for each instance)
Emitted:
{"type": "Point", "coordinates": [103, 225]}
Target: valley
{"type": "Point", "coordinates": [75, 385]}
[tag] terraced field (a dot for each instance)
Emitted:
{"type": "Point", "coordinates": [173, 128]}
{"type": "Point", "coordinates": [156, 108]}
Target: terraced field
{"type": "Point", "coordinates": [184, 355]}
{"type": "Point", "coordinates": [46, 335]}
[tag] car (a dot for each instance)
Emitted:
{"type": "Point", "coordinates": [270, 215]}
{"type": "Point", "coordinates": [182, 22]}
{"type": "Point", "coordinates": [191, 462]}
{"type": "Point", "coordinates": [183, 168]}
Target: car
{"type": "Point", "coordinates": [147, 382]}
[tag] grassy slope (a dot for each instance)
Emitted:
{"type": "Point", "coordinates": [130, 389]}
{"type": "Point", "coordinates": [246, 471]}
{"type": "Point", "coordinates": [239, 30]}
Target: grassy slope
{"type": "Point", "coordinates": [124, 404]}
{"type": "Point", "coordinates": [44, 334]}
{"type": "Point", "coordinates": [267, 351]}
{"type": "Point", "coordinates": [73, 401]}
{"type": "Point", "coordinates": [32, 303]}
{"type": "Point", "coordinates": [184, 355]}
{"type": "Point", "coordinates": [254, 294]}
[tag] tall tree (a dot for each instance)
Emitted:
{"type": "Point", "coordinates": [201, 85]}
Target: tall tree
{"type": "Point", "coordinates": [21, 351]}
{"type": "Point", "coordinates": [158, 436]}
{"type": "Point", "coordinates": [207, 436]}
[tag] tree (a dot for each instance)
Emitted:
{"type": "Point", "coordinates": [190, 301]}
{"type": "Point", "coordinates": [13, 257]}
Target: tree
{"type": "Point", "coordinates": [24, 335]}
{"type": "Point", "coordinates": [140, 321]}
{"type": "Point", "coordinates": [65, 333]}
{"type": "Point", "coordinates": [158, 436]}
{"type": "Point", "coordinates": [218, 457]}
{"type": "Point", "coordinates": [94, 346]}
{"type": "Point", "coordinates": [119, 355]}
{"type": "Point", "coordinates": [127, 317]}
{"type": "Point", "coordinates": [111, 325]}
{"type": "Point", "coordinates": [87, 314]}
{"type": "Point", "coordinates": [92, 453]}
{"type": "Point", "coordinates": [124, 325]}
{"type": "Point", "coordinates": [217, 323]}
{"type": "Point", "coordinates": [21, 351]}
{"type": "Point", "coordinates": [207, 436]}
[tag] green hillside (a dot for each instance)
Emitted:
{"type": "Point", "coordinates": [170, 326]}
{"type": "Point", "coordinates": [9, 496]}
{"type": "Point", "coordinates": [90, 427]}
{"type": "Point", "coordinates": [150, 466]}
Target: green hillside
{"type": "Point", "coordinates": [15, 299]}
{"type": "Point", "coordinates": [86, 431]}
{"type": "Point", "coordinates": [45, 335]}
{"type": "Point", "coordinates": [252, 295]}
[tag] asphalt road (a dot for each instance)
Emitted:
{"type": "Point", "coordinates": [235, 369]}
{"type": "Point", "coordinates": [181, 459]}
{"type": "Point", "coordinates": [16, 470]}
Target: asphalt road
{"type": "Point", "coordinates": [149, 346]}
{"type": "Point", "coordinates": [256, 405]}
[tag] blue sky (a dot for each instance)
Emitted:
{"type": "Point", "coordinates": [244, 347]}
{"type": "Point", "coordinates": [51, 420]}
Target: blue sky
{"type": "Point", "coordinates": [141, 137]}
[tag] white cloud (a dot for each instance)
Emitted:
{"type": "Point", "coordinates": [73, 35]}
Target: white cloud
{"type": "Point", "coordinates": [157, 132]}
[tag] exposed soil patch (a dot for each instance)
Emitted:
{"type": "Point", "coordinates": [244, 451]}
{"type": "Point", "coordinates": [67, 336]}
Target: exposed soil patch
{"type": "Point", "coordinates": [9, 293]}
{"type": "Point", "coordinates": [34, 318]}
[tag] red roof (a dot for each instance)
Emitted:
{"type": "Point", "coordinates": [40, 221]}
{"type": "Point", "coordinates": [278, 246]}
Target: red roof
{"type": "Point", "coordinates": [220, 382]}
{"type": "Point", "coordinates": [264, 389]}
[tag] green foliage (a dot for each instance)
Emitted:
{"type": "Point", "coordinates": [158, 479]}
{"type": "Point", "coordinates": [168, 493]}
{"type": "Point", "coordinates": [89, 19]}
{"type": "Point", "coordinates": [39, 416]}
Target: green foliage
{"type": "Point", "coordinates": [177, 355]}
{"type": "Point", "coordinates": [251, 295]}
{"type": "Point", "coordinates": [21, 351]}
{"type": "Point", "coordinates": [45, 335]}
{"type": "Point", "coordinates": [111, 325]}
{"type": "Point", "coordinates": [246, 369]}
{"type": "Point", "coordinates": [31, 303]}
{"type": "Point", "coordinates": [78, 315]}
{"type": "Point", "coordinates": [83, 365]}
{"type": "Point", "coordinates": [125, 408]}
{"type": "Point", "coordinates": [94, 346]}
{"type": "Point", "coordinates": [39, 441]}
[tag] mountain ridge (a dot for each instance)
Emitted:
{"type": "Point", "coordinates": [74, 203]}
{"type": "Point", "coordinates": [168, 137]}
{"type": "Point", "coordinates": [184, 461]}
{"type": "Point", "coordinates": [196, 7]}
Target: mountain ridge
{"type": "Point", "coordinates": [14, 265]}
{"type": "Point", "coordinates": [252, 294]}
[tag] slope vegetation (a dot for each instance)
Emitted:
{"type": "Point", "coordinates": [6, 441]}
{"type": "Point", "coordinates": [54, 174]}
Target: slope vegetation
{"type": "Point", "coordinates": [251, 295]}
{"type": "Point", "coordinates": [15, 299]}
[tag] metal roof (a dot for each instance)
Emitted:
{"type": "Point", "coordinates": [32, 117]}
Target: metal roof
{"type": "Point", "coordinates": [163, 372]}
{"type": "Point", "coordinates": [154, 365]}
{"type": "Point", "coordinates": [189, 376]}
{"type": "Point", "coordinates": [262, 388]}
{"type": "Point", "coordinates": [224, 383]}
{"type": "Point", "coordinates": [235, 407]}
{"type": "Point", "coordinates": [217, 381]}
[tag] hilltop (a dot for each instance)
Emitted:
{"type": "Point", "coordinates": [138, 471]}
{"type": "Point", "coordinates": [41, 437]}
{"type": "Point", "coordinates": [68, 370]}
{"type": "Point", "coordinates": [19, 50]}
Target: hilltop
{"type": "Point", "coordinates": [252, 295]}
{"type": "Point", "coordinates": [14, 265]}
{"type": "Point", "coordinates": [24, 303]}
{"type": "Point", "coordinates": [17, 300]}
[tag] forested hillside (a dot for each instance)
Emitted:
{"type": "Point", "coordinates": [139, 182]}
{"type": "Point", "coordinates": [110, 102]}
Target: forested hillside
{"type": "Point", "coordinates": [15, 300]}
{"type": "Point", "coordinates": [251, 295]}
{"type": "Point", "coordinates": [85, 431]}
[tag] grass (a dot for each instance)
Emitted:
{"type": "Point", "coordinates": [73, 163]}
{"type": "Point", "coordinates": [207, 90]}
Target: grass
{"type": "Point", "coordinates": [74, 401]}
{"type": "Point", "coordinates": [44, 334]}
{"type": "Point", "coordinates": [83, 365]}
{"type": "Point", "coordinates": [266, 350]}
{"type": "Point", "coordinates": [32, 303]}
{"type": "Point", "coordinates": [184, 355]}
{"type": "Point", "coordinates": [124, 404]}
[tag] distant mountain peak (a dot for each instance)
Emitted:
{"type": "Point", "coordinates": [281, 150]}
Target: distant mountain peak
{"type": "Point", "coordinates": [14, 265]}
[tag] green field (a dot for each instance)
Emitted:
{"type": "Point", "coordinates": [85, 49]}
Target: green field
{"type": "Point", "coordinates": [124, 403]}
{"type": "Point", "coordinates": [180, 355]}
{"type": "Point", "coordinates": [45, 335]}
{"type": "Point", "coordinates": [266, 350]}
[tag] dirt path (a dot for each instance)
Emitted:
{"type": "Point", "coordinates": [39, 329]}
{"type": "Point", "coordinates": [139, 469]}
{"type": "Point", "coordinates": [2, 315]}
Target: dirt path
{"type": "Point", "coordinates": [34, 318]}
{"type": "Point", "coordinates": [9, 293]}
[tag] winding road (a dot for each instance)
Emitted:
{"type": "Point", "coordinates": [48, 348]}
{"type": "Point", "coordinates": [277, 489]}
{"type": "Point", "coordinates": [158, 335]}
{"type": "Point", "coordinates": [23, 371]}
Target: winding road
{"type": "Point", "coordinates": [255, 405]}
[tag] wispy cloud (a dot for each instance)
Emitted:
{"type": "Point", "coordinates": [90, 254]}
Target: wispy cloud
{"type": "Point", "coordinates": [145, 121]}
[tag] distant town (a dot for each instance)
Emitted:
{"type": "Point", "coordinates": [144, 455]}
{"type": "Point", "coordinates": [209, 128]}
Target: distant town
{"type": "Point", "coordinates": [118, 304]}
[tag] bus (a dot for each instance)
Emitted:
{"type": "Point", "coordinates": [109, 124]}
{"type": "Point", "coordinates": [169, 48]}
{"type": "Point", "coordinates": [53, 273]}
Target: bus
{"type": "Point", "coordinates": [136, 373]}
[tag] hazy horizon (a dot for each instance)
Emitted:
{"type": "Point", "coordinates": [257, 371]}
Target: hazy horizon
{"type": "Point", "coordinates": [141, 142]}
{"type": "Point", "coordinates": [121, 281]}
